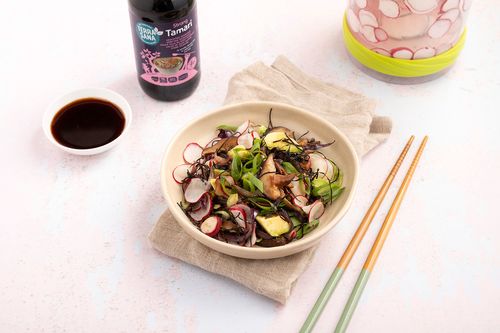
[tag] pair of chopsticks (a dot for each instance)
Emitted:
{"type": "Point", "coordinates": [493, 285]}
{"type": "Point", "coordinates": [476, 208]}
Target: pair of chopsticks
{"type": "Point", "coordinates": [356, 240]}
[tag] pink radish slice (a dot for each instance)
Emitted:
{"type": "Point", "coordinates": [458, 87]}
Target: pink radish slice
{"type": "Point", "coordinates": [382, 52]}
{"type": "Point", "coordinates": [389, 8]}
{"type": "Point", "coordinates": [443, 48]}
{"type": "Point", "coordinates": [211, 226]}
{"type": "Point", "coordinates": [360, 3]}
{"type": "Point", "coordinates": [330, 169]}
{"type": "Point", "coordinates": [298, 188]}
{"type": "Point", "coordinates": [439, 28]}
{"type": "Point", "coordinates": [245, 208]}
{"type": "Point", "coordinates": [421, 6]}
{"type": "Point", "coordinates": [367, 18]}
{"type": "Point", "coordinates": [450, 4]}
{"type": "Point", "coordinates": [380, 35]}
{"type": "Point", "coordinates": [192, 152]}
{"type": "Point", "coordinates": [243, 127]}
{"type": "Point", "coordinates": [425, 52]}
{"type": "Point", "coordinates": [198, 205]}
{"type": "Point", "coordinates": [239, 215]}
{"type": "Point", "coordinates": [353, 21]}
{"type": "Point", "coordinates": [180, 172]}
{"type": "Point", "coordinates": [316, 211]}
{"type": "Point", "coordinates": [369, 33]}
{"type": "Point", "coordinates": [300, 201]}
{"type": "Point", "coordinates": [307, 209]}
{"type": "Point", "coordinates": [404, 10]}
{"type": "Point", "coordinates": [210, 162]}
{"type": "Point", "coordinates": [253, 237]}
{"type": "Point", "coordinates": [318, 164]}
{"type": "Point", "coordinates": [246, 140]}
{"type": "Point", "coordinates": [406, 27]}
{"type": "Point", "coordinates": [451, 15]}
{"type": "Point", "coordinates": [402, 53]}
{"type": "Point", "coordinates": [195, 190]}
{"type": "Point", "coordinates": [204, 208]}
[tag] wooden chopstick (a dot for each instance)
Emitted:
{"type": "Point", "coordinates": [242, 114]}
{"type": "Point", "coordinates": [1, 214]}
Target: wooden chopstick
{"type": "Point", "coordinates": [377, 245]}
{"type": "Point", "coordinates": [353, 245]}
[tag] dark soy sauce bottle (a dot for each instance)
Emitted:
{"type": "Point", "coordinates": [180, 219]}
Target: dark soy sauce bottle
{"type": "Point", "coordinates": [166, 46]}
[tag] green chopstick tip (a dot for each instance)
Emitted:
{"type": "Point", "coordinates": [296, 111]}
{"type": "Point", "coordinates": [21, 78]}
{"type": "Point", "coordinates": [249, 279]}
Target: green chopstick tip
{"type": "Point", "coordinates": [322, 300]}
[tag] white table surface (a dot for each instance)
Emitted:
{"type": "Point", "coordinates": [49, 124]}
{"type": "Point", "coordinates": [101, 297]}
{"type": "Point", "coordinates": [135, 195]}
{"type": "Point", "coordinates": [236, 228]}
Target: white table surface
{"type": "Point", "coordinates": [73, 249]}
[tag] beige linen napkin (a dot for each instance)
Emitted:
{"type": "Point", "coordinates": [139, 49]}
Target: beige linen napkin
{"type": "Point", "coordinates": [281, 82]}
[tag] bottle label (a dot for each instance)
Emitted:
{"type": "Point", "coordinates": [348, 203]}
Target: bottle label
{"type": "Point", "coordinates": [167, 54]}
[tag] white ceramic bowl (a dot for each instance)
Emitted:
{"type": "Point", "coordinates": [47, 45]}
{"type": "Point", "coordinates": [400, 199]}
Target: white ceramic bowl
{"type": "Point", "coordinates": [202, 130]}
{"type": "Point", "coordinates": [99, 93]}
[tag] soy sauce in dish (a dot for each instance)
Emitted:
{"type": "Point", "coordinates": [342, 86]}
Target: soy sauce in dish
{"type": "Point", "coordinates": [87, 123]}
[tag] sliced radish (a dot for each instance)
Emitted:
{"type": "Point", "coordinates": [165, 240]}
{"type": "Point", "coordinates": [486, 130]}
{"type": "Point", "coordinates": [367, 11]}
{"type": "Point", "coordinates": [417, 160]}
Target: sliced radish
{"type": "Point", "coordinates": [402, 53]}
{"type": "Point", "coordinates": [450, 4]}
{"type": "Point", "coordinates": [443, 48]}
{"type": "Point", "coordinates": [198, 205]}
{"type": "Point", "coordinates": [330, 169]}
{"type": "Point", "coordinates": [353, 21]}
{"type": "Point", "coordinates": [255, 135]}
{"type": "Point", "coordinates": [381, 35]}
{"type": "Point", "coordinates": [360, 3]}
{"type": "Point", "coordinates": [439, 28]}
{"type": "Point", "coordinates": [192, 152]}
{"type": "Point", "coordinates": [210, 162]}
{"type": "Point", "coordinates": [253, 237]}
{"type": "Point", "coordinates": [369, 33]}
{"type": "Point", "coordinates": [246, 209]}
{"type": "Point", "coordinates": [243, 128]}
{"type": "Point", "coordinates": [195, 189]}
{"type": "Point", "coordinates": [451, 15]}
{"type": "Point", "coordinates": [246, 140]}
{"type": "Point", "coordinates": [389, 8]}
{"type": "Point", "coordinates": [300, 201]}
{"type": "Point", "coordinates": [406, 26]}
{"type": "Point", "coordinates": [367, 18]}
{"type": "Point", "coordinates": [421, 6]}
{"type": "Point", "coordinates": [307, 209]}
{"type": "Point", "coordinates": [180, 172]}
{"type": "Point", "coordinates": [298, 188]}
{"type": "Point", "coordinates": [239, 215]}
{"type": "Point", "coordinates": [211, 226]}
{"type": "Point", "coordinates": [404, 9]}
{"type": "Point", "coordinates": [382, 52]}
{"type": "Point", "coordinates": [316, 211]}
{"type": "Point", "coordinates": [318, 164]}
{"type": "Point", "coordinates": [425, 52]}
{"type": "Point", "coordinates": [204, 208]}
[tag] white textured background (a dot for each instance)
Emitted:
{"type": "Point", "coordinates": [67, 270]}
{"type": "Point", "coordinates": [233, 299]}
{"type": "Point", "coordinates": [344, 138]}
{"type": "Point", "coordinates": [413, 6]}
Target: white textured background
{"type": "Point", "coordinates": [73, 249]}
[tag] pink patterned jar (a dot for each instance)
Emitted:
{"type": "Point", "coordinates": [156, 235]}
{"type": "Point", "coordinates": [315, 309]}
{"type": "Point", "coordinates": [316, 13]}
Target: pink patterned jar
{"type": "Point", "coordinates": [407, 29]}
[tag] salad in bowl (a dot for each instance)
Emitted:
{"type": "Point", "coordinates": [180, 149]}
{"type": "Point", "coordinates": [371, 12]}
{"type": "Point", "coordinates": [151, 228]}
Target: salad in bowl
{"type": "Point", "coordinates": [257, 185]}
{"type": "Point", "coordinates": [217, 190]}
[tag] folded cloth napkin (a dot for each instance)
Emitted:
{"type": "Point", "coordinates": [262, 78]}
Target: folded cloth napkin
{"type": "Point", "coordinates": [282, 82]}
